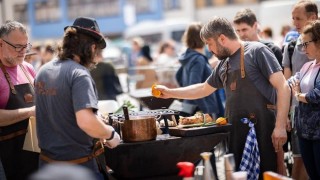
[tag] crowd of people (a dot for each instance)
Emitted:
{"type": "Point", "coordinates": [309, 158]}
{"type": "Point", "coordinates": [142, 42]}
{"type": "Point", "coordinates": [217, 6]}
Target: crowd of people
{"type": "Point", "coordinates": [275, 87]}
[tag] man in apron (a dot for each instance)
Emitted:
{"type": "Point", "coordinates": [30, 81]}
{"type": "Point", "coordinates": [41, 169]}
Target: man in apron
{"type": "Point", "coordinates": [253, 80]}
{"type": "Point", "coordinates": [67, 102]}
{"type": "Point", "coordinates": [16, 101]}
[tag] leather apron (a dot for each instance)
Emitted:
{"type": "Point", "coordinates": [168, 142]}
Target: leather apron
{"type": "Point", "coordinates": [18, 164]}
{"type": "Point", "coordinates": [244, 100]}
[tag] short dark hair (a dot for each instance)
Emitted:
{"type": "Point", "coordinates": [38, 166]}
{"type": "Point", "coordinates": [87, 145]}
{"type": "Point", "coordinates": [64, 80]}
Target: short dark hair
{"type": "Point", "coordinates": [217, 26]}
{"type": "Point", "coordinates": [77, 43]}
{"type": "Point", "coordinates": [191, 36]}
{"type": "Point", "coordinates": [245, 16]}
{"type": "Point", "coordinates": [310, 7]}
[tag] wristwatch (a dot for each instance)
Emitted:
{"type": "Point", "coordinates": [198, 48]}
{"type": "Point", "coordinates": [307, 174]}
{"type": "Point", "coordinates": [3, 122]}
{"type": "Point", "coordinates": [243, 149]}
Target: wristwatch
{"type": "Point", "coordinates": [111, 137]}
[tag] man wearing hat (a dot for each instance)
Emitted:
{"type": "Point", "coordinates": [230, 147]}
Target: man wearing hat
{"type": "Point", "coordinates": [66, 101]}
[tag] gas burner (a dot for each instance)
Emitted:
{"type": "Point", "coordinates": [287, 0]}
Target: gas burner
{"type": "Point", "coordinates": [156, 112]}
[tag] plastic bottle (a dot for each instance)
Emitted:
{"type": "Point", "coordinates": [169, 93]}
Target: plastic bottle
{"type": "Point", "coordinates": [186, 170]}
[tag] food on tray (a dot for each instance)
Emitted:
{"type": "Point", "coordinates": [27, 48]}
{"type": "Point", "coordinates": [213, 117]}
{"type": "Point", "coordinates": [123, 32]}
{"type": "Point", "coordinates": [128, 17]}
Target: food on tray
{"type": "Point", "coordinates": [221, 121]}
{"type": "Point", "coordinates": [155, 92]}
{"type": "Point", "coordinates": [170, 123]}
{"type": "Point", "coordinates": [196, 119]}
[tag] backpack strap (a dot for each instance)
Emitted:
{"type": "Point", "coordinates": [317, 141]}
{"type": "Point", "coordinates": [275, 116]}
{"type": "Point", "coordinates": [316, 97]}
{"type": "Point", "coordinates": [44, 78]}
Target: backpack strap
{"type": "Point", "coordinates": [291, 47]}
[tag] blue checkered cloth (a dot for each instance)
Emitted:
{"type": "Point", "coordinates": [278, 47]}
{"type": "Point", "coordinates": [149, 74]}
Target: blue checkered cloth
{"type": "Point", "coordinates": [250, 161]}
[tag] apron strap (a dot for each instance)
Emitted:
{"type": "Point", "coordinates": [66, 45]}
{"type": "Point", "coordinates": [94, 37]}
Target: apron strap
{"type": "Point", "coordinates": [243, 73]}
{"type": "Point", "coordinates": [8, 78]}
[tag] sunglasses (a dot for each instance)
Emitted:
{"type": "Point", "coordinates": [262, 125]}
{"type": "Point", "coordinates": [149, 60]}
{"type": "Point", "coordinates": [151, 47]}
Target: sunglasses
{"type": "Point", "coordinates": [19, 48]}
{"type": "Point", "coordinates": [305, 44]}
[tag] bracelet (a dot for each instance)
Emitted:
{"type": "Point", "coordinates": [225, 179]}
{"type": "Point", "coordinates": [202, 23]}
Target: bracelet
{"type": "Point", "coordinates": [111, 137]}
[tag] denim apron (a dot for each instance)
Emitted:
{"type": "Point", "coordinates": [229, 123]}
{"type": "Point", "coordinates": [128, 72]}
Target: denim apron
{"type": "Point", "coordinates": [17, 163]}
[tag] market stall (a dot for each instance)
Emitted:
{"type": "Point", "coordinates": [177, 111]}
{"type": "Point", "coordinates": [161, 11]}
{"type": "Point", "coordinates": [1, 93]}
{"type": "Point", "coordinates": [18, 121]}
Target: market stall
{"type": "Point", "coordinates": [157, 159]}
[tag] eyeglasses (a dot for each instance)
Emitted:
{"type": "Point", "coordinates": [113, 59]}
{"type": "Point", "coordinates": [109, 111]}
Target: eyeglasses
{"type": "Point", "coordinates": [19, 48]}
{"type": "Point", "coordinates": [305, 44]}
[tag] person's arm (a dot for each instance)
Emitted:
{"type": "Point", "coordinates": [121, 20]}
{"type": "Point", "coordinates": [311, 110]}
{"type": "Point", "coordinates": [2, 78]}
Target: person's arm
{"type": "Point", "coordinates": [287, 72]}
{"type": "Point", "coordinates": [194, 91]}
{"type": "Point", "coordinates": [8, 117]}
{"type": "Point", "coordinates": [279, 135]}
{"type": "Point", "coordinates": [94, 127]}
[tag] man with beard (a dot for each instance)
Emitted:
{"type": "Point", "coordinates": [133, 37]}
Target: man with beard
{"type": "Point", "coordinates": [253, 80]}
{"type": "Point", "coordinates": [16, 101]}
{"type": "Point", "coordinates": [67, 102]}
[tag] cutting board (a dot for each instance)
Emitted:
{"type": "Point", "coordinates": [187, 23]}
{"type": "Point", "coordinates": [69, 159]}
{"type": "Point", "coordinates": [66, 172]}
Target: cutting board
{"type": "Point", "coordinates": [197, 131]}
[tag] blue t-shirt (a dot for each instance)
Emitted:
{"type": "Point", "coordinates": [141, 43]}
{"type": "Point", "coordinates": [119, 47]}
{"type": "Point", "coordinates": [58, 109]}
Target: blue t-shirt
{"type": "Point", "coordinates": [62, 89]}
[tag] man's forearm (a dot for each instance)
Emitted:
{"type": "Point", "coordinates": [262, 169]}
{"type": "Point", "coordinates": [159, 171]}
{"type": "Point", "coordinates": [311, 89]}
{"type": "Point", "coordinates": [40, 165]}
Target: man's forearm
{"type": "Point", "coordinates": [283, 103]}
{"type": "Point", "coordinates": [8, 117]}
{"type": "Point", "coordinates": [194, 91]}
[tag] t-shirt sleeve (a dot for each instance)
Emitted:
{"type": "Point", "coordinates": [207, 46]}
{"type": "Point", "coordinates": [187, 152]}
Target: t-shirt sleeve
{"type": "Point", "coordinates": [214, 79]}
{"type": "Point", "coordinates": [285, 58]}
{"type": "Point", "coordinates": [267, 62]}
{"type": "Point", "coordinates": [83, 92]}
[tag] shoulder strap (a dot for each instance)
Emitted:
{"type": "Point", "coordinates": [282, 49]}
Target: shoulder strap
{"type": "Point", "coordinates": [291, 47]}
{"type": "Point", "coordinates": [26, 74]}
{"type": "Point", "coordinates": [13, 90]}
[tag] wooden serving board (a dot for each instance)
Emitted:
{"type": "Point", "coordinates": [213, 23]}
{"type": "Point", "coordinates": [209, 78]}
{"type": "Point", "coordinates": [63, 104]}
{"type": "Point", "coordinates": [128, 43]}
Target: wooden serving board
{"type": "Point", "coordinates": [197, 131]}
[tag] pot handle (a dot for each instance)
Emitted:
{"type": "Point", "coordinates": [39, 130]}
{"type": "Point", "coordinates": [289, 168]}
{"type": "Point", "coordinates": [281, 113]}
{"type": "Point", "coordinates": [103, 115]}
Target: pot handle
{"type": "Point", "coordinates": [158, 117]}
{"type": "Point", "coordinates": [125, 112]}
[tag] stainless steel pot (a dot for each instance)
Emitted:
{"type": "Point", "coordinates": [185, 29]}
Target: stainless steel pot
{"type": "Point", "coordinates": [139, 128]}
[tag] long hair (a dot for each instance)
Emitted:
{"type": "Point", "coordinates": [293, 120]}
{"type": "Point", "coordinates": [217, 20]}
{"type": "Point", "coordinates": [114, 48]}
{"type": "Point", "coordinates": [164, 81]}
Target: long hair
{"type": "Point", "coordinates": [75, 43]}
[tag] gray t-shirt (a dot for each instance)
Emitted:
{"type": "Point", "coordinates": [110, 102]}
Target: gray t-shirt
{"type": "Point", "coordinates": [62, 89]}
{"type": "Point", "coordinates": [260, 63]}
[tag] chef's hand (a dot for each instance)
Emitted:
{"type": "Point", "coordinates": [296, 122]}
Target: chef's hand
{"type": "Point", "coordinates": [114, 142]}
{"type": "Point", "coordinates": [164, 91]}
{"type": "Point", "coordinates": [279, 138]}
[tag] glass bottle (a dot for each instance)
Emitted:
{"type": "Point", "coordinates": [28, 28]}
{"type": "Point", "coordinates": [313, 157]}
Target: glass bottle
{"type": "Point", "coordinates": [208, 171]}
{"type": "Point", "coordinates": [229, 165]}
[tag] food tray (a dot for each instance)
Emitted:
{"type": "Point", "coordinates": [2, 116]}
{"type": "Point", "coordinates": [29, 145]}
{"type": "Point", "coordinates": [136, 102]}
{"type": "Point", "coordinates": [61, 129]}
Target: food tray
{"type": "Point", "coordinates": [197, 131]}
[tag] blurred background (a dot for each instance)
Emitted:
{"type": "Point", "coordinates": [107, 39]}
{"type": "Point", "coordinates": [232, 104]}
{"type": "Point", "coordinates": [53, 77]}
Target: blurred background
{"type": "Point", "coordinates": [155, 21]}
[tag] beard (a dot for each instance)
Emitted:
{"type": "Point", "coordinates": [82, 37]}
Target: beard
{"type": "Point", "coordinates": [13, 61]}
{"type": "Point", "coordinates": [222, 52]}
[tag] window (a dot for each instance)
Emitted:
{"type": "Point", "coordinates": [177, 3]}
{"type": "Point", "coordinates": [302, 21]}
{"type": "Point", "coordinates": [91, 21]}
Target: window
{"type": "Point", "coordinates": [21, 13]}
{"type": "Point", "coordinates": [244, 1]}
{"type": "Point", "coordinates": [47, 11]}
{"type": "Point", "coordinates": [210, 3]}
{"type": "Point", "coordinates": [177, 35]}
{"type": "Point", "coordinates": [172, 4]}
{"type": "Point", "coordinates": [141, 6]}
{"type": "Point", "coordinates": [93, 8]}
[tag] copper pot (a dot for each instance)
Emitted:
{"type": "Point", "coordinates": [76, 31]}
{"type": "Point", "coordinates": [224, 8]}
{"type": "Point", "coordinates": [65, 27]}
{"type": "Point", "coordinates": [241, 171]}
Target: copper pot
{"type": "Point", "coordinates": [139, 128]}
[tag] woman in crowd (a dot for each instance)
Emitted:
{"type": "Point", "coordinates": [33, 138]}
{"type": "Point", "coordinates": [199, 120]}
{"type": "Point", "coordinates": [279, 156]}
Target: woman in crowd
{"type": "Point", "coordinates": [306, 86]}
